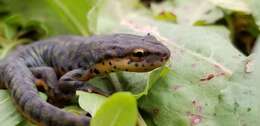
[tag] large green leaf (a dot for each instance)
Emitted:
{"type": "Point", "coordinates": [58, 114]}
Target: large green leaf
{"type": "Point", "coordinates": [203, 86]}
{"type": "Point", "coordinates": [120, 109]}
{"type": "Point", "coordinates": [91, 103]}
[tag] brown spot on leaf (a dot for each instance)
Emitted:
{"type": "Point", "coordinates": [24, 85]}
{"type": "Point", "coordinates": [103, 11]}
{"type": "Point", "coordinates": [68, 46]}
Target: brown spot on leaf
{"type": "Point", "coordinates": [193, 65]}
{"type": "Point", "coordinates": [194, 119]}
{"type": "Point", "coordinates": [197, 106]}
{"type": "Point", "coordinates": [207, 77]}
{"type": "Point", "coordinates": [176, 87]}
{"type": "Point", "coordinates": [217, 66]}
{"type": "Point", "coordinates": [220, 74]}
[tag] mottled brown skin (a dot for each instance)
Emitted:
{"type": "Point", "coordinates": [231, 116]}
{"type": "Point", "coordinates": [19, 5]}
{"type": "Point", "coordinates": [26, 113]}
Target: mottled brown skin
{"type": "Point", "coordinates": [64, 63]}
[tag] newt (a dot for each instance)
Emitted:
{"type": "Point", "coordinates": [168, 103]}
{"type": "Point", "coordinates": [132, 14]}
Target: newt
{"type": "Point", "coordinates": [61, 65]}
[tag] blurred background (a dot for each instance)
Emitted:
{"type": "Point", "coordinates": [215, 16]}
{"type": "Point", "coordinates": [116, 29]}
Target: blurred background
{"type": "Point", "coordinates": [211, 79]}
{"type": "Point", "coordinates": [33, 20]}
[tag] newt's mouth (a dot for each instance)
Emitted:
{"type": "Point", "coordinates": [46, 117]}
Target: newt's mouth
{"type": "Point", "coordinates": [130, 64]}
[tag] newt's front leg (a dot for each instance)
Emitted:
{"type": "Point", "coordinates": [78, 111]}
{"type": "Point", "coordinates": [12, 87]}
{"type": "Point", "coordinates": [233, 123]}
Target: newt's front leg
{"type": "Point", "coordinates": [62, 91]}
{"type": "Point", "coordinates": [76, 80]}
{"type": "Point", "coordinates": [46, 80]}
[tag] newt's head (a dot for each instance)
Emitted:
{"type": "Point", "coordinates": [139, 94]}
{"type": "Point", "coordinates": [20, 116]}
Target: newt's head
{"type": "Point", "coordinates": [133, 53]}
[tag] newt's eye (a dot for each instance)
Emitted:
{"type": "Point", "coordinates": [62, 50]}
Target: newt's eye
{"type": "Point", "coordinates": [138, 53]}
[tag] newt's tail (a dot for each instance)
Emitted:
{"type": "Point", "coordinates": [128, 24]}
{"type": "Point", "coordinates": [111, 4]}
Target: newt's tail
{"type": "Point", "coordinates": [19, 81]}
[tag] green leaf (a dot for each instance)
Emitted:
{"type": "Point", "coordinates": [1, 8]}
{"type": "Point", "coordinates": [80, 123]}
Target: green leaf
{"type": "Point", "coordinates": [167, 16]}
{"type": "Point", "coordinates": [22, 26]}
{"type": "Point", "coordinates": [90, 102]}
{"type": "Point", "coordinates": [256, 63]}
{"type": "Point", "coordinates": [255, 4]}
{"type": "Point", "coordinates": [252, 66]}
{"type": "Point", "coordinates": [8, 45]}
{"type": "Point", "coordinates": [37, 11]}
{"type": "Point", "coordinates": [75, 110]}
{"type": "Point", "coordinates": [9, 31]}
{"type": "Point", "coordinates": [203, 85]}
{"type": "Point", "coordinates": [189, 12]}
{"type": "Point", "coordinates": [235, 5]}
{"type": "Point", "coordinates": [200, 23]}
{"type": "Point", "coordinates": [118, 110]}
{"type": "Point", "coordinates": [9, 116]}
{"type": "Point", "coordinates": [74, 13]}
{"type": "Point", "coordinates": [134, 82]}
{"type": "Point", "coordinates": [93, 14]}
{"type": "Point", "coordinates": [17, 30]}
{"type": "Point", "coordinates": [25, 123]}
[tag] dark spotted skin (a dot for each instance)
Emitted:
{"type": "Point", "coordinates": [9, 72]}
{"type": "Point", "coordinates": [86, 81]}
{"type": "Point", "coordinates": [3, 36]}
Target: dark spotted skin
{"type": "Point", "coordinates": [64, 63]}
